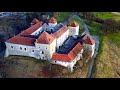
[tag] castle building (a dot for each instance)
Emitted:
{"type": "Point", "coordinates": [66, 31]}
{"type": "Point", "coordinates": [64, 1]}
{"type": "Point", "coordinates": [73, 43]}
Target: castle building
{"type": "Point", "coordinates": [50, 41]}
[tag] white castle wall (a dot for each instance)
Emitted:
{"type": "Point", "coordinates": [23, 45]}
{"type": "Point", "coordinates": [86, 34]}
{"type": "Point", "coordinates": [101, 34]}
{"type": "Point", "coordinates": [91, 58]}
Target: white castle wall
{"type": "Point", "coordinates": [73, 31]}
{"type": "Point", "coordinates": [38, 31]}
{"type": "Point", "coordinates": [52, 48]}
{"type": "Point", "coordinates": [90, 47]}
{"type": "Point", "coordinates": [52, 24]}
{"type": "Point", "coordinates": [93, 49]}
{"type": "Point", "coordinates": [69, 64]}
{"type": "Point", "coordinates": [17, 49]}
{"type": "Point", "coordinates": [62, 38]}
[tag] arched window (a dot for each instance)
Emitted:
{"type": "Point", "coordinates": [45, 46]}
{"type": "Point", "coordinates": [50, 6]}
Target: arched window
{"type": "Point", "coordinates": [11, 46]}
{"type": "Point", "coordinates": [20, 48]}
{"type": "Point", "coordinates": [42, 52]}
{"type": "Point", "coordinates": [25, 48]}
{"type": "Point", "coordinates": [32, 50]}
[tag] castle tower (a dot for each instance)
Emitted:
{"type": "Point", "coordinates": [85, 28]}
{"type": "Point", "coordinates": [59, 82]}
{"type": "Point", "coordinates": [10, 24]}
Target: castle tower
{"type": "Point", "coordinates": [89, 43]}
{"type": "Point", "coordinates": [46, 43]}
{"type": "Point", "coordinates": [52, 22]}
{"type": "Point", "coordinates": [73, 29]}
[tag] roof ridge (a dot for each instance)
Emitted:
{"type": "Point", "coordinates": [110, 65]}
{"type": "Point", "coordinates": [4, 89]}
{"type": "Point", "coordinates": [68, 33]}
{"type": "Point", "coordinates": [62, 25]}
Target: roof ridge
{"type": "Point", "coordinates": [47, 37]}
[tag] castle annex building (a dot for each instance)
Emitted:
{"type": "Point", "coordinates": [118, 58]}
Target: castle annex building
{"type": "Point", "coordinates": [58, 43]}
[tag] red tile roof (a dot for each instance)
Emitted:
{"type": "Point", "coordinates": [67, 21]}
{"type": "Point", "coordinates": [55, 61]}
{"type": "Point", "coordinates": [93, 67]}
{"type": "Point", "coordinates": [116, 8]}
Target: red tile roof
{"type": "Point", "coordinates": [61, 57]}
{"type": "Point", "coordinates": [77, 49]}
{"type": "Point", "coordinates": [71, 55]}
{"type": "Point", "coordinates": [61, 31]}
{"type": "Point", "coordinates": [45, 38]}
{"type": "Point", "coordinates": [22, 40]}
{"type": "Point", "coordinates": [87, 39]}
{"type": "Point", "coordinates": [33, 28]}
{"type": "Point", "coordinates": [74, 24]}
{"type": "Point", "coordinates": [35, 21]}
{"type": "Point", "coordinates": [52, 20]}
{"type": "Point", "coordinates": [68, 57]}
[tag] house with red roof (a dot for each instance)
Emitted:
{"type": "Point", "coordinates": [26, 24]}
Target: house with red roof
{"type": "Point", "coordinates": [43, 41]}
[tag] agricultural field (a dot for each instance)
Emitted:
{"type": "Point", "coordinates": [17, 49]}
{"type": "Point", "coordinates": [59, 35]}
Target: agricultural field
{"type": "Point", "coordinates": [107, 64]}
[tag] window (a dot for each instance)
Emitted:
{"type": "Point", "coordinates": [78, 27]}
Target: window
{"type": "Point", "coordinates": [46, 48]}
{"type": "Point", "coordinates": [25, 48]}
{"type": "Point", "coordinates": [39, 47]}
{"type": "Point", "coordinates": [42, 52]}
{"type": "Point", "coordinates": [32, 50]}
{"type": "Point", "coordinates": [11, 46]}
{"type": "Point", "coordinates": [20, 48]}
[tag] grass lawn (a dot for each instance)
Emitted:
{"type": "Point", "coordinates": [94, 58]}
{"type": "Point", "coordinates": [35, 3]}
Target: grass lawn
{"type": "Point", "coordinates": [115, 38]}
{"type": "Point", "coordinates": [62, 16]}
{"type": "Point", "coordinates": [107, 15]}
{"type": "Point", "coordinates": [107, 64]}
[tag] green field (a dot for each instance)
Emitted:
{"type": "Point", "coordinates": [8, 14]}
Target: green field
{"type": "Point", "coordinates": [62, 16]}
{"type": "Point", "coordinates": [107, 64]}
{"type": "Point", "coordinates": [107, 15]}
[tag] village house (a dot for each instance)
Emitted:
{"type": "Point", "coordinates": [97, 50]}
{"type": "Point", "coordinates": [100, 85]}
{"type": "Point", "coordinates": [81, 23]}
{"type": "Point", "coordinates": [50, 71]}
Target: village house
{"type": "Point", "coordinates": [58, 43]}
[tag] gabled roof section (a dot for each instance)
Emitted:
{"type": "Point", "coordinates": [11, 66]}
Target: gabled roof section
{"type": "Point", "coordinates": [61, 57]}
{"type": "Point", "coordinates": [45, 38]}
{"type": "Point", "coordinates": [74, 24]}
{"type": "Point", "coordinates": [68, 57]}
{"type": "Point", "coordinates": [22, 40]}
{"type": "Point", "coordinates": [52, 20]}
{"type": "Point", "coordinates": [77, 49]}
{"type": "Point", "coordinates": [33, 28]}
{"type": "Point", "coordinates": [87, 39]}
{"type": "Point", "coordinates": [61, 31]}
{"type": "Point", "coordinates": [35, 21]}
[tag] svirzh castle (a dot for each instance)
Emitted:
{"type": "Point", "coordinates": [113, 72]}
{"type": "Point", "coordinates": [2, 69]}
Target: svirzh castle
{"type": "Point", "coordinates": [58, 43]}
